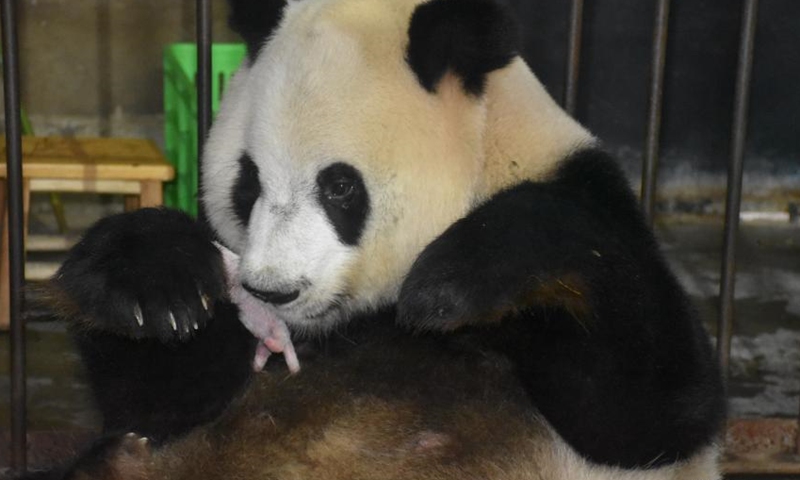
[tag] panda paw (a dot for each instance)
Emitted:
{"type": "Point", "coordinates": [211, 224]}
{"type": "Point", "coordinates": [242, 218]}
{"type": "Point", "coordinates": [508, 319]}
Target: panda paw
{"type": "Point", "coordinates": [444, 296]}
{"type": "Point", "coordinates": [459, 279]}
{"type": "Point", "coordinates": [505, 258]}
{"type": "Point", "coordinates": [440, 294]}
{"type": "Point", "coordinates": [152, 273]}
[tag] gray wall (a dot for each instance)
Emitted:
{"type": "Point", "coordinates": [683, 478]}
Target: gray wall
{"type": "Point", "coordinates": [92, 57]}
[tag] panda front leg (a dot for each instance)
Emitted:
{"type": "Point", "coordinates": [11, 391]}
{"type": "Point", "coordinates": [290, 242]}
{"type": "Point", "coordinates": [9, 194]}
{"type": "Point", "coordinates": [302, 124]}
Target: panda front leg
{"type": "Point", "coordinates": [565, 277]}
{"type": "Point", "coordinates": [144, 294]}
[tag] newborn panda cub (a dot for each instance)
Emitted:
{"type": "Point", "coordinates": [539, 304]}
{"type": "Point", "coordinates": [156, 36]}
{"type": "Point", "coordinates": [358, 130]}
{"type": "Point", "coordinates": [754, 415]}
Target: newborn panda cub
{"type": "Point", "coordinates": [469, 284]}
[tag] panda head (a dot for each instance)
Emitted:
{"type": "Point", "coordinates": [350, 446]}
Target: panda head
{"type": "Point", "coordinates": [356, 132]}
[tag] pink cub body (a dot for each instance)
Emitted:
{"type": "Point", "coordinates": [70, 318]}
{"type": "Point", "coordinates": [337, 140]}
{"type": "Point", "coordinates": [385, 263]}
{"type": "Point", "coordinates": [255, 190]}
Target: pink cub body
{"type": "Point", "coordinates": [272, 332]}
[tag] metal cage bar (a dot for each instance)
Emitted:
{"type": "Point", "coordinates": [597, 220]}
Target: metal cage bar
{"type": "Point", "coordinates": [652, 141]}
{"type": "Point", "coordinates": [734, 188]}
{"type": "Point", "coordinates": [573, 56]}
{"type": "Point", "coordinates": [203, 84]}
{"type": "Point", "coordinates": [15, 234]}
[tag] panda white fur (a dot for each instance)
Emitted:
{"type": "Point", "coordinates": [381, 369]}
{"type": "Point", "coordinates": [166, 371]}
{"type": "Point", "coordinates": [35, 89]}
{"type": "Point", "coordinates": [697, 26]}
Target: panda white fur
{"type": "Point", "coordinates": [473, 290]}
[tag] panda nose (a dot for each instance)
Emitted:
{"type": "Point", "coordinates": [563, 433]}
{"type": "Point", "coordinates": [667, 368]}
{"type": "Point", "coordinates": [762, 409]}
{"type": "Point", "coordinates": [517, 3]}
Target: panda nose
{"type": "Point", "coordinates": [275, 298]}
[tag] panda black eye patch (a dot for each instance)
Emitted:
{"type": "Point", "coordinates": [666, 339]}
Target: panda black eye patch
{"type": "Point", "coordinates": [343, 196]}
{"type": "Point", "coordinates": [246, 190]}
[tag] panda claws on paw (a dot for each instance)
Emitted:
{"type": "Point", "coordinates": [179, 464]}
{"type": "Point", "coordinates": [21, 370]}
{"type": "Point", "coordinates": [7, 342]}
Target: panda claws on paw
{"type": "Point", "coordinates": [160, 318]}
{"type": "Point", "coordinates": [132, 439]}
{"type": "Point", "coordinates": [151, 273]}
{"type": "Point", "coordinates": [204, 300]}
{"type": "Point", "coordinates": [125, 457]}
{"type": "Point", "coordinates": [137, 313]}
{"type": "Point", "coordinates": [172, 322]}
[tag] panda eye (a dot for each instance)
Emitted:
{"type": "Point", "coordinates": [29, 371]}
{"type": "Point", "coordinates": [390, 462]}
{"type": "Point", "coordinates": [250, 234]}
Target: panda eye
{"type": "Point", "coordinates": [340, 191]}
{"type": "Point", "coordinates": [343, 196]}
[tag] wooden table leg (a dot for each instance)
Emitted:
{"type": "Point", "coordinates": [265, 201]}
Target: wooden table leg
{"type": "Point", "coordinates": [131, 203]}
{"type": "Point", "coordinates": [152, 194]}
{"type": "Point", "coordinates": [5, 274]}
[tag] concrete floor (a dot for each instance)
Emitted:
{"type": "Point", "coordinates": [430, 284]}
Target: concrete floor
{"type": "Point", "coordinates": [765, 368]}
{"type": "Point", "coordinates": [765, 364]}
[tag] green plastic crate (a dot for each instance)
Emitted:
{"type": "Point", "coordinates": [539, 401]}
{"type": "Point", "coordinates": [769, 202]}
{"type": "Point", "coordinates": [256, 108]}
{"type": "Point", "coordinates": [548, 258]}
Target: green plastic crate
{"type": "Point", "coordinates": [180, 112]}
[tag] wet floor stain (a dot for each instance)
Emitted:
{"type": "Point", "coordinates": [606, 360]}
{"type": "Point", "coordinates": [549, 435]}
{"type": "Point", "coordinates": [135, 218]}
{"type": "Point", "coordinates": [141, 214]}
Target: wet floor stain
{"type": "Point", "coordinates": [58, 393]}
{"type": "Point", "coordinates": [765, 350]}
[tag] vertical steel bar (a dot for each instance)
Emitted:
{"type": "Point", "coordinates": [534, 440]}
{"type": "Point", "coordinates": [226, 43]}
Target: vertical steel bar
{"type": "Point", "coordinates": [203, 84]}
{"type": "Point", "coordinates": [573, 56]}
{"type": "Point", "coordinates": [15, 233]}
{"type": "Point", "coordinates": [652, 142]}
{"type": "Point", "coordinates": [734, 190]}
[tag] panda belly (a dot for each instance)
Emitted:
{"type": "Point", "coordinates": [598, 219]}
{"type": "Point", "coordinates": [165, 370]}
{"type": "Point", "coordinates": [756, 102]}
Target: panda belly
{"type": "Point", "coordinates": [400, 407]}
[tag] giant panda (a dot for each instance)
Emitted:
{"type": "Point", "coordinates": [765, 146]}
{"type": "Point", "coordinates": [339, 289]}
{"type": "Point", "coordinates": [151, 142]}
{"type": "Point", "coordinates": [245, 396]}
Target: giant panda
{"type": "Point", "coordinates": [470, 284]}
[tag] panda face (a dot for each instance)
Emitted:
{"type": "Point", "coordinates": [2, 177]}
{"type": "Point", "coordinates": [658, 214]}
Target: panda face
{"type": "Point", "coordinates": [329, 167]}
{"type": "Point", "coordinates": [304, 231]}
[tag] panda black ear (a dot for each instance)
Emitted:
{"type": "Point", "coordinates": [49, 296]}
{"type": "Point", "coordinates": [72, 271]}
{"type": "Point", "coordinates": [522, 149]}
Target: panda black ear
{"type": "Point", "coordinates": [468, 37]}
{"type": "Point", "coordinates": [255, 20]}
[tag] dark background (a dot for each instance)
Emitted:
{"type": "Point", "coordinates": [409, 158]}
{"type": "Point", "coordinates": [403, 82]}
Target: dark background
{"type": "Point", "coordinates": [702, 53]}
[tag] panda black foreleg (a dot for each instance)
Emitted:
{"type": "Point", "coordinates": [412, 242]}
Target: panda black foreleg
{"type": "Point", "coordinates": [144, 294]}
{"type": "Point", "coordinates": [566, 279]}
{"type": "Point", "coordinates": [536, 243]}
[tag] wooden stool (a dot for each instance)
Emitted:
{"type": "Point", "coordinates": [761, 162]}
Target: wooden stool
{"type": "Point", "coordinates": [131, 167]}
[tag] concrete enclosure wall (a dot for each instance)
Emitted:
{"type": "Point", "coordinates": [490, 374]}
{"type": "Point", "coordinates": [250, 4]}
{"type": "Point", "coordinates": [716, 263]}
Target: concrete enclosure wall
{"type": "Point", "coordinates": [91, 57]}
